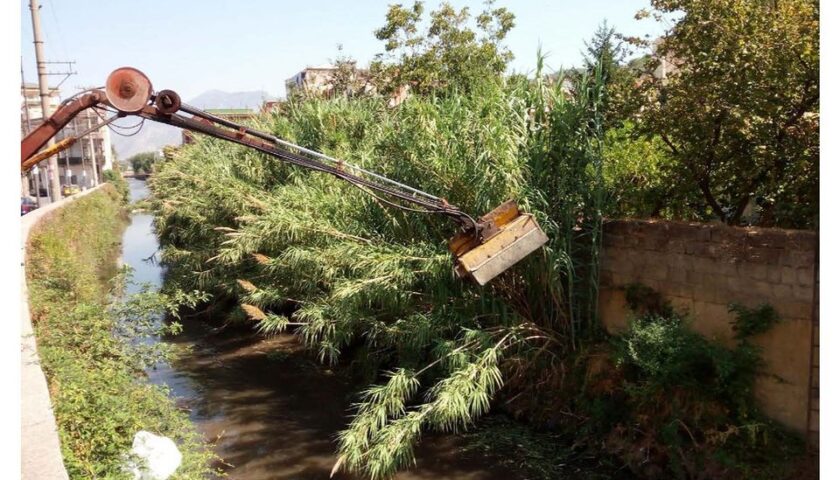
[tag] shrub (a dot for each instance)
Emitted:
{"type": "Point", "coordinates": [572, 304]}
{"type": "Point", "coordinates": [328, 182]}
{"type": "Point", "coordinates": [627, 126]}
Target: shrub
{"type": "Point", "coordinates": [114, 177]}
{"type": "Point", "coordinates": [687, 407]}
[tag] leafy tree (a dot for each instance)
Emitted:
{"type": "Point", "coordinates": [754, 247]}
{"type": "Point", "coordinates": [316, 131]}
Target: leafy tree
{"type": "Point", "coordinates": [449, 54]}
{"type": "Point", "coordinates": [642, 179]}
{"type": "Point", "coordinates": [345, 79]}
{"type": "Point", "coordinates": [142, 162]}
{"type": "Point", "coordinates": [740, 110]}
{"type": "Point", "coordinates": [607, 52]}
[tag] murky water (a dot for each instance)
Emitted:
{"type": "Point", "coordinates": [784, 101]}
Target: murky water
{"type": "Point", "coordinates": [270, 409]}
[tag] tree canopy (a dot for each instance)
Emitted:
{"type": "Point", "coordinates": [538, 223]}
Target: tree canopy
{"type": "Point", "coordinates": [142, 162]}
{"type": "Point", "coordinates": [448, 54]}
{"type": "Point", "coordinates": [739, 105]}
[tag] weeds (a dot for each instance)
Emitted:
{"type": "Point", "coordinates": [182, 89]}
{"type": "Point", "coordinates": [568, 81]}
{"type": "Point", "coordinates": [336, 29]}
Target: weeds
{"type": "Point", "coordinates": [686, 407]}
{"type": "Point", "coordinates": [114, 177]}
{"type": "Point", "coordinates": [88, 349]}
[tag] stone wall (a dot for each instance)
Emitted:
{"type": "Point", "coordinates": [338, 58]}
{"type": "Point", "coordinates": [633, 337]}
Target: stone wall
{"type": "Point", "coordinates": [701, 269]}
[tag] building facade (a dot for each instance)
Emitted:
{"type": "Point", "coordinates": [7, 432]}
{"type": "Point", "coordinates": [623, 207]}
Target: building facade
{"type": "Point", "coordinates": [311, 81]}
{"type": "Point", "coordinates": [83, 163]}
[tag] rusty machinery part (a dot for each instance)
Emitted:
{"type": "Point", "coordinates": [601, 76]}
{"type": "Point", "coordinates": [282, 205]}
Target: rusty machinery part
{"type": "Point", "coordinates": [128, 89]}
{"type": "Point", "coordinates": [506, 235]}
{"type": "Point", "coordinates": [62, 145]}
{"type": "Point", "coordinates": [279, 141]}
{"type": "Point", "coordinates": [39, 137]}
{"type": "Point", "coordinates": [167, 102]}
{"type": "Point", "coordinates": [202, 124]}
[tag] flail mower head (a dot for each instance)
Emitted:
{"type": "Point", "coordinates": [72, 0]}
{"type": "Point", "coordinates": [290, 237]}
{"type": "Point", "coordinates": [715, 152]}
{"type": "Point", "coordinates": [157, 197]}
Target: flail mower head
{"type": "Point", "coordinates": [503, 237]}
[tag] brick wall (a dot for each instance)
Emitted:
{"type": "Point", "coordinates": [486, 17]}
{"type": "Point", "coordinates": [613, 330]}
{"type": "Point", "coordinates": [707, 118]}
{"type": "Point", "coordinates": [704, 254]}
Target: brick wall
{"type": "Point", "coordinates": [701, 269]}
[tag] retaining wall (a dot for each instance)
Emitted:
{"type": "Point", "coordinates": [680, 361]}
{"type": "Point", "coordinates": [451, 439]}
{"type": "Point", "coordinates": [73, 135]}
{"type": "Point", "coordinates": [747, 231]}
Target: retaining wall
{"type": "Point", "coordinates": [701, 269]}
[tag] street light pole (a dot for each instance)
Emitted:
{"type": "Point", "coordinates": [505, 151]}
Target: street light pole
{"type": "Point", "coordinates": [44, 89]}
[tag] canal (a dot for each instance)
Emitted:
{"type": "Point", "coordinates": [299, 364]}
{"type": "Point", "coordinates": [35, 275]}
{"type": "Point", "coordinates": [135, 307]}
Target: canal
{"type": "Point", "coordinates": [271, 410]}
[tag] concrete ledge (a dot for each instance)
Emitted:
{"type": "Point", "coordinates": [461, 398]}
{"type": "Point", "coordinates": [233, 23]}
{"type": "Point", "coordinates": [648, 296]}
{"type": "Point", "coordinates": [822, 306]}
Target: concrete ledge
{"type": "Point", "coordinates": [40, 449]}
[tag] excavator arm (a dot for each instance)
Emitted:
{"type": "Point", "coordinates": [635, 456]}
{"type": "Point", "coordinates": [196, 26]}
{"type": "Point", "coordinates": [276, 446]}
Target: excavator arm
{"type": "Point", "coordinates": [47, 130]}
{"type": "Point", "coordinates": [482, 248]}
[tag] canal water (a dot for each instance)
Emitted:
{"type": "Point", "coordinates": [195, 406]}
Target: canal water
{"type": "Point", "coordinates": [270, 409]}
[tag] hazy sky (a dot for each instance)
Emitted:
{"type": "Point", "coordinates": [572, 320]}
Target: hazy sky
{"type": "Point", "coordinates": [192, 46]}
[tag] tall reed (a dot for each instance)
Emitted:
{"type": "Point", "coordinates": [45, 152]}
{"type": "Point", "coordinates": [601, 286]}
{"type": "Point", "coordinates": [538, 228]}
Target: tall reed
{"type": "Point", "coordinates": [352, 275]}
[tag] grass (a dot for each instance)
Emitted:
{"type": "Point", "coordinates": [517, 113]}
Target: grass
{"type": "Point", "coordinates": [98, 389]}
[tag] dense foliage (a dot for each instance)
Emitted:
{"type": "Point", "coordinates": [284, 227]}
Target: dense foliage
{"type": "Point", "coordinates": [142, 162]}
{"type": "Point", "coordinates": [361, 282]}
{"type": "Point", "coordinates": [739, 106]}
{"type": "Point", "coordinates": [115, 178]}
{"type": "Point", "coordinates": [360, 279]}
{"type": "Point", "coordinates": [450, 54]}
{"type": "Point", "coordinates": [87, 344]}
{"type": "Point", "coordinates": [672, 402]}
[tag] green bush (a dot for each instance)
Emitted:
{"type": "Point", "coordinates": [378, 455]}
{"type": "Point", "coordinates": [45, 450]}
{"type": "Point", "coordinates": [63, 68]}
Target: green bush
{"type": "Point", "coordinates": [114, 177]}
{"type": "Point", "coordinates": [642, 180]}
{"type": "Point", "coordinates": [687, 403]}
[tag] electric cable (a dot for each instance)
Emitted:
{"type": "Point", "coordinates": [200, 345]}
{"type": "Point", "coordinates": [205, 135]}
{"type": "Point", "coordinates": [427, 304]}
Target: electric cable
{"type": "Point", "coordinates": [138, 125]}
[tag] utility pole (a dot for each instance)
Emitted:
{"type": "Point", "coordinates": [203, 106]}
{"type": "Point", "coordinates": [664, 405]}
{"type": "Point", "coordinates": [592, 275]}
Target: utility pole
{"type": "Point", "coordinates": [92, 151]}
{"type": "Point", "coordinates": [25, 177]}
{"type": "Point", "coordinates": [44, 88]}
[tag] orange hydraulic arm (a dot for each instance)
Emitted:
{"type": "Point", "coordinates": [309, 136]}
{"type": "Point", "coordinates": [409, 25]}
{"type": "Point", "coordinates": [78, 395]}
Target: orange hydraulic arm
{"type": "Point", "coordinates": [47, 130]}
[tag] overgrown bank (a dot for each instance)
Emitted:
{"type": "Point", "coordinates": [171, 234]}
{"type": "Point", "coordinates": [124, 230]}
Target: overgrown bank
{"type": "Point", "coordinates": [94, 370]}
{"type": "Point", "coordinates": [369, 285]}
{"type": "Point", "coordinates": [359, 281]}
{"type": "Point", "coordinates": [372, 286]}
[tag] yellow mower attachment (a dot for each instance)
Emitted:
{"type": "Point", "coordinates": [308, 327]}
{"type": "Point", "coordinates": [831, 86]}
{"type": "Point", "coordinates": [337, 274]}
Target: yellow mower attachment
{"type": "Point", "coordinates": [504, 237]}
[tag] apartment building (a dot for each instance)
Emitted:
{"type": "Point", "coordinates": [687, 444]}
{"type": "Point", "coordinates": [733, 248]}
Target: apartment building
{"type": "Point", "coordinates": [311, 80]}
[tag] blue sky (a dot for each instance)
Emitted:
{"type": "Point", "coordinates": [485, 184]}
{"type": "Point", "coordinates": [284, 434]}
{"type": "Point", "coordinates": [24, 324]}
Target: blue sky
{"type": "Point", "coordinates": [193, 46]}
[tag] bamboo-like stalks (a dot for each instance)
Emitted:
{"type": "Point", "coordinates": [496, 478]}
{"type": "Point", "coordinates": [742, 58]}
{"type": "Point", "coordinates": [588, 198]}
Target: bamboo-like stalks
{"type": "Point", "coordinates": [357, 275]}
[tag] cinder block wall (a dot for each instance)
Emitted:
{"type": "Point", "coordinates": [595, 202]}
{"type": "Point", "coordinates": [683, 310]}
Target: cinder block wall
{"type": "Point", "coordinates": [702, 268]}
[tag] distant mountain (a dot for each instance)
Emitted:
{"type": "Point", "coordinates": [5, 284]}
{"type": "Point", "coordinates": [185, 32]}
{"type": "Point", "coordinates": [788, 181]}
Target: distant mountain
{"type": "Point", "coordinates": [220, 99]}
{"type": "Point", "coordinates": [154, 136]}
